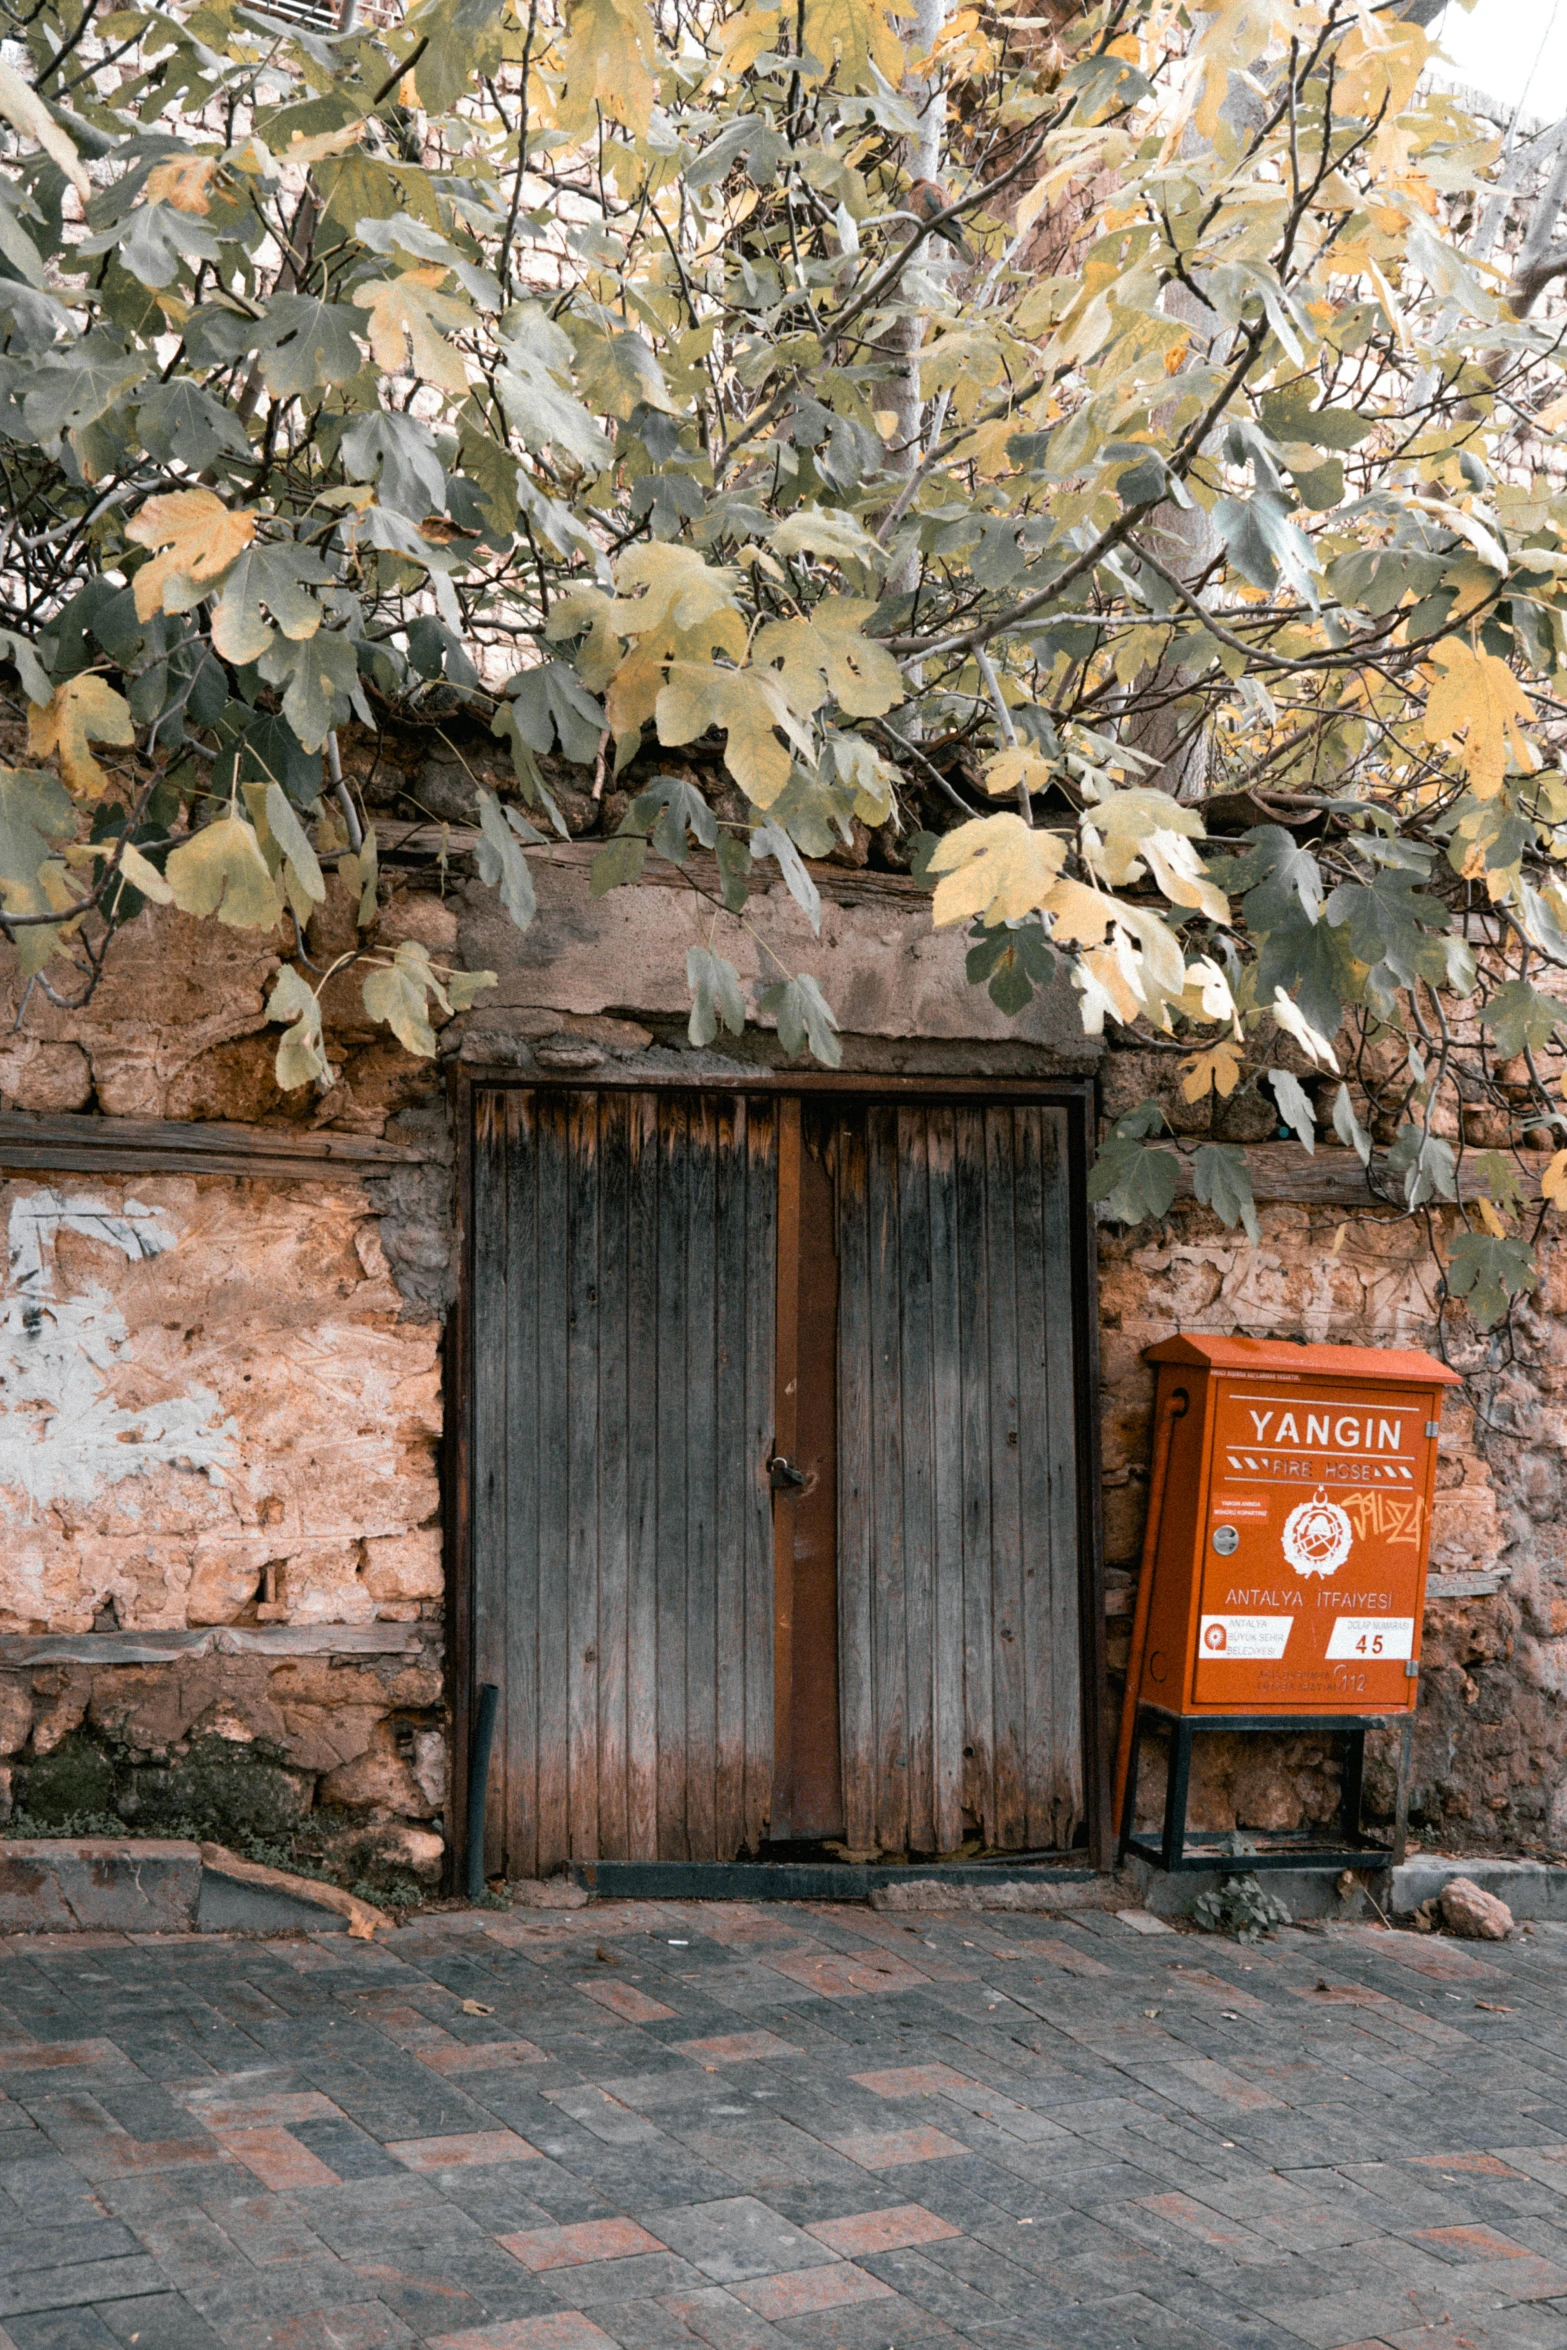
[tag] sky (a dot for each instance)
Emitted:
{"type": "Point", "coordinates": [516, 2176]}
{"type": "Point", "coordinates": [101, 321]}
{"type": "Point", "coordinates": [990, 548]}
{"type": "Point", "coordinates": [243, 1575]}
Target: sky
{"type": "Point", "coordinates": [1512, 49]}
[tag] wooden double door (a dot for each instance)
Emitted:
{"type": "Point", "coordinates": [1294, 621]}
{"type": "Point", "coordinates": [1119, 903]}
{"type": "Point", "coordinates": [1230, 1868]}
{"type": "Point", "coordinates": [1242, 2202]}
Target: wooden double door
{"type": "Point", "coordinates": [778, 1522]}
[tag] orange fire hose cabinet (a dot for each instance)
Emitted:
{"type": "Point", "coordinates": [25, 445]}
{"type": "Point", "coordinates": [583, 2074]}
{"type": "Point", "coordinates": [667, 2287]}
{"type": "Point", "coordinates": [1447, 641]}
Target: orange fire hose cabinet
{"type": "Point", "coordinates": [1289, 1525]}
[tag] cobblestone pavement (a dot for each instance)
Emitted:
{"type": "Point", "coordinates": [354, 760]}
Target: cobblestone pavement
{"type": "Point", "coordinates": [755, 2128]}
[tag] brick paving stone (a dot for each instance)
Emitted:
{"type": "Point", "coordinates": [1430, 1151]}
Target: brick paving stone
{"type": "Point", "coordinates": [482, 2056]}
{"type": "Point", "coordinates": [890, 2149]}
{"type": "Point", "coordinates": [859, 2232]}
{"type": "Point", "coordinates": [625, 2000]}
{"type": "Point", "coordinates": [463, 2150]}
{"type": "Point", "coordinates": [738, 2237]}
{"type": "Point", "coordinates": [596, 2239]}
{"type": "Point", "coordinates": [738, 2047]}
{"type": "Point", "coordinates": [802, 2292]}
{"type": "Point", "coordinates": [565, 2330]}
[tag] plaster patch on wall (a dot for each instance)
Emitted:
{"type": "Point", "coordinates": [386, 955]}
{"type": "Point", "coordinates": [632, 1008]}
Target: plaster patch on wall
{"type": "Point", "coordinates": [62, 1435]}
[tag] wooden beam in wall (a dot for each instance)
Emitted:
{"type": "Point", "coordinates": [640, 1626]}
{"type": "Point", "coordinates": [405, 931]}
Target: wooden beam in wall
{"type": "Point", "coordinates": [78, 1144]}
{"type": "Point", "coordinates": [1332, 1177]}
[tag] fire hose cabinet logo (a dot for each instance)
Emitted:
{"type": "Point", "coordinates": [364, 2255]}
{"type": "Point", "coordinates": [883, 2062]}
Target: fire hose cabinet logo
{"type": "Point", "coordinates": [1317, 1536]}
{"type": "Point", "coordinates": [1294, 1527]}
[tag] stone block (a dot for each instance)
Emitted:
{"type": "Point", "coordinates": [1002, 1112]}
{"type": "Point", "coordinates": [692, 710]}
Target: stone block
{"type": "Point", "coordinates": [379, 1780]}
{"type": "Point", "coordinates": [16, 1715]}
{"type": "Point", "coordinates": [395, 1847]}
{"type": "Point", "coordinates": [99, 1885]}
{"type": "Point", "coordinates": [44, 1078]}
{"type": "Point", "coordinates": [405, 1566]}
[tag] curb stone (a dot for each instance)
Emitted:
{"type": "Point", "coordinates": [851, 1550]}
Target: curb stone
{"type": "Point", "coordinates": [133, 1885]}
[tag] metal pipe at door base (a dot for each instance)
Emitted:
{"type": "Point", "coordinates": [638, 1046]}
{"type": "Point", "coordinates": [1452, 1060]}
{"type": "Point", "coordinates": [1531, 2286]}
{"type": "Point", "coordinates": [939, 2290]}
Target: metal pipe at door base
{"type": "Point", "coordinates": [478, 1784]}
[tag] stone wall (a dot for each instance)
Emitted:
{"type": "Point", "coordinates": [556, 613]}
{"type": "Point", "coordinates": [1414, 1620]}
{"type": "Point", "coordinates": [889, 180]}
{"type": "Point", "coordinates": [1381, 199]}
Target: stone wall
{"type": "Point", "coordinates": [220, 1400]}
{"type": "Point", "coordinates": [337, 1760]}
{"type": "Point", "coordinates": [216, 1409]}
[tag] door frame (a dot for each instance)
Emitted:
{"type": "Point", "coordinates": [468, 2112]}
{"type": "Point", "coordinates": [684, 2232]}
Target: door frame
{"type": "Point", "coordinates": [1075, 1096]}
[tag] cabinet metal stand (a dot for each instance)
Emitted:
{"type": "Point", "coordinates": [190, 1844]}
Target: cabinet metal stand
{"type": "Point", "coordinates": [1177, 1849]}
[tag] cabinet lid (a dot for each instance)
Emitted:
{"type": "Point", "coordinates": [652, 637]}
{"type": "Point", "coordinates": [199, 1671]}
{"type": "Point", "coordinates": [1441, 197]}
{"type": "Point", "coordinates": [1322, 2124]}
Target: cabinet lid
{"type": "Point", "coordinates": [1214, 1353]}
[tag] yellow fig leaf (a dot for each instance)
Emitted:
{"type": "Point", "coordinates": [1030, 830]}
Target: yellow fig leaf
{"type": "Point", "coordinates": [1553, 1183]}
{"type": "Point", "coordinates": [406, 310]}
{"type": "Point", "coordinates": [608, 61]}
{"type": "Point", "coordinates": [1240, 28]}
{"type": "Point", "coordinates": [1217, 1070]}
{"type": "Point", "coordinates": [664, 590]}
{"type": "Point", "coordinates": [743, 40]}
{"type": "Point", "coordinates": [301, 1053]}
{"type": "Point", "coordinates": [1475, 709]}
{"type": "Point", "coordinates": [83, 710]}
{"type": "Point", "coordinates": [858, 37]}
{"type": "Point", "coordinates": [825, 657]}
{"type": "Point", "coordinates": [1020, 767]}
{"type": "Point", "coordinates": [674, 607]}
{"type": "Point", "coordinates": [1181, 874]}
{"type": "Point", "coordinates": [1078, 915]}
{"type": "Point", "coordinates": [1490, 1219]}
{"type": "Point", "coordinates": [1378, 66]}
{"type": "Point", "coordinates": [185, 184]}
{"type": "Point", "coordinates": [1126, 819]}
{"type": "Point", "coordinates": [130, 866]}
{"type": "Point", "coordinates": [398, 993]}
{"type": "Point", "coordinates": [324, 143]}
{"type": "Point", "coordinates": [598, 656]}
{"type": "Point", "coordinates": [143, 875]}
{"type": "Point", "coordinates": [221, 870]}
{"type": "Point", "coordinates": [749, 704]}
{"type": "Point", "coordinates": [196, 538]}
{"type": "Point", "coordinates": [997, 867]}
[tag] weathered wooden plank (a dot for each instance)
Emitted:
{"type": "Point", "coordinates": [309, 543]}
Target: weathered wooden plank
{"type": "Point", "coordinates": [1006, 1526]}
{"type": "Point", "coordinates": [490, 1265]}
{"type": "Point", "coordinates": [73, 1142]}
{"type": "Point", "coordinates": [1063, 1632]}
{"type": "Point", "coordinates": [702, 1474]}
{"type": "Point", "coordinates": [1333, 1177]}
{"type": "Point", "coordinates": [673, 1453]}
{"type": "Point", "coordinates": [516, 1566]}
{"type": "Point", "coordinates": [614, 1112]}
{"type": "Point", "coordinates": [947, 1738]}
{"type": "Point", "coordinates": [553, 1479]}
{"type": "Point", "coordinates": [856, 1490]}
{"type": "Point", "coordinates": [916, 1381]}
{"type": "Point", "coordinates": [642, 1196]}
{"type": "Point", "coordinates": [275, 1640]}
{"type": "Point", "coordinates": [973, 1325]}
{"type": "Point", "coordinates": [888, 1621]}
{"type": "Point", "coordinates": [1036, 1562]}
{"type": "Point", "coordinates": [581, 1467]}
{"type": "Point", "coordinates": [761, 1157]}
{"type": "Point", "coordinates": [785, 1441]}
{"type": "Point", "coordinates": [731, 1489]}
{"type": "Point", "coordinates": [815, 1769]}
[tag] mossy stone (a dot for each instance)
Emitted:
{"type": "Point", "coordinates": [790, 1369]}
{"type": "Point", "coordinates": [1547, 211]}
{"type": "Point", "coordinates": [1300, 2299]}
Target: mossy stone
{"type": "Point", "coordinates": [224, 1790]}
{"type": "Point", "coordinates": [77, 1778]}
